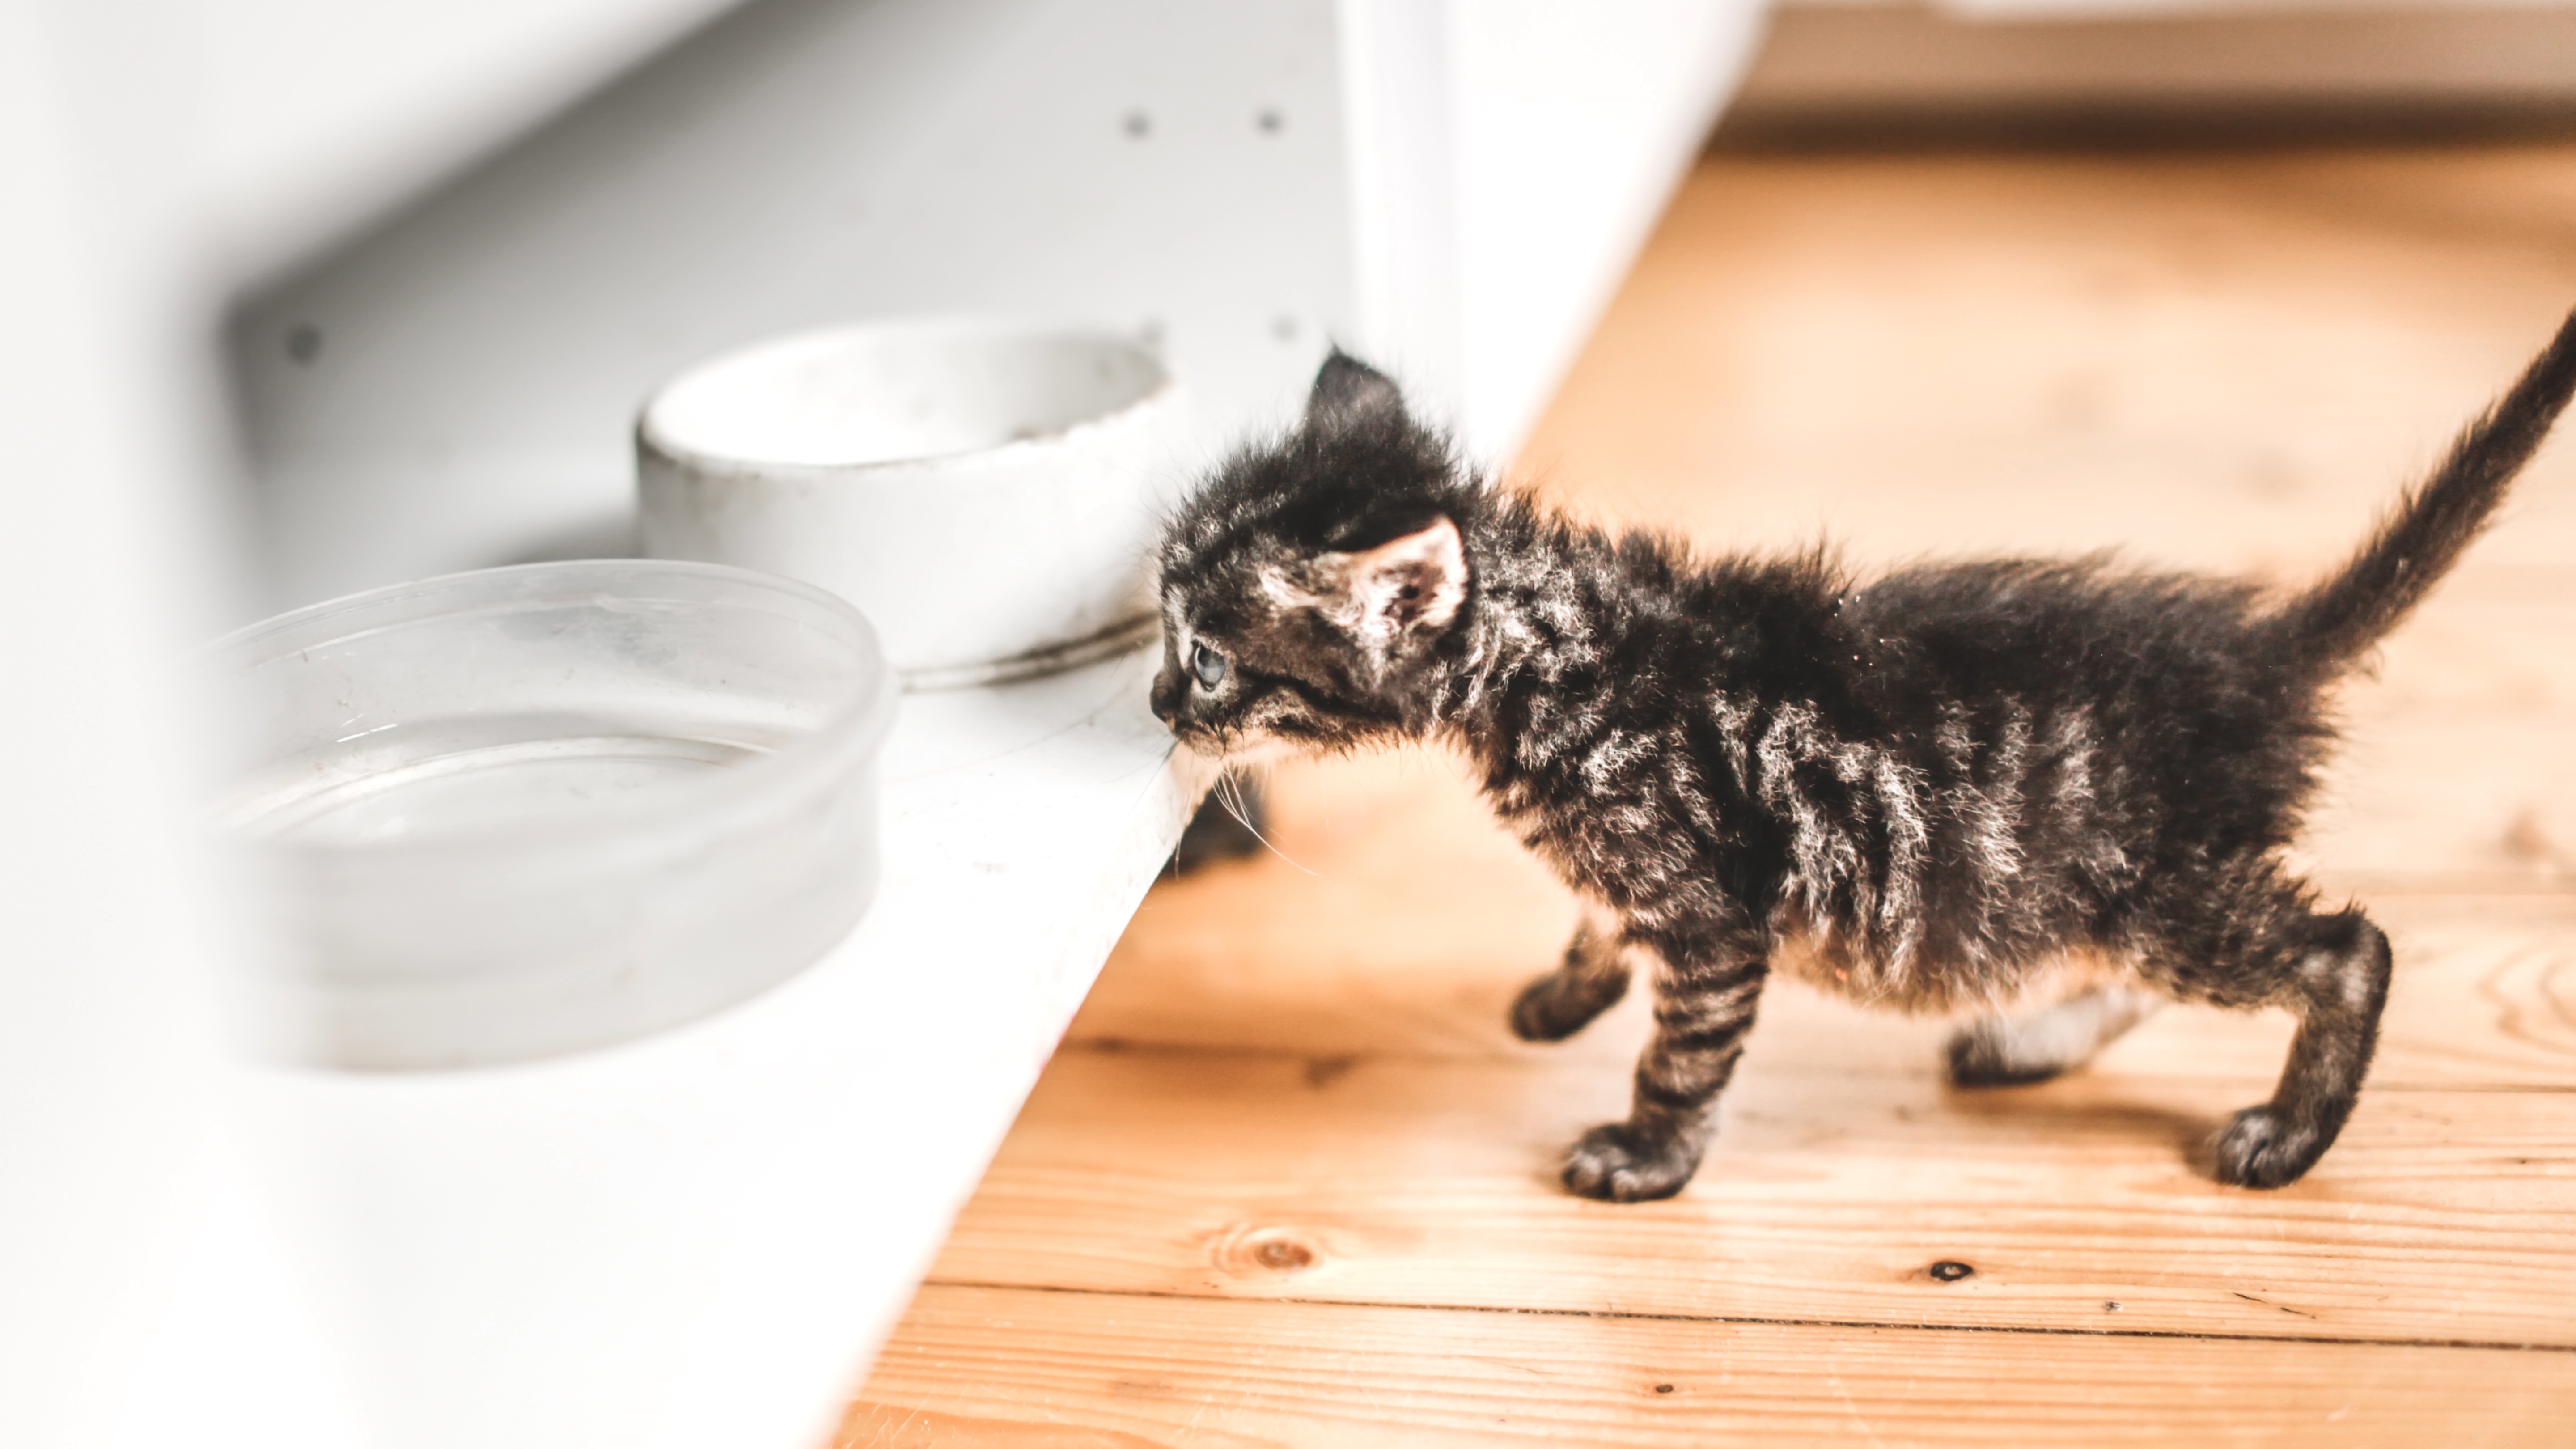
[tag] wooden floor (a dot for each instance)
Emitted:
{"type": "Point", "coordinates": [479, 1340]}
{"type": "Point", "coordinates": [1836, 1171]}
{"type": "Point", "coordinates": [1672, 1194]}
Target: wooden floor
{"type": "Point", "coordinates": [1290, 1182]}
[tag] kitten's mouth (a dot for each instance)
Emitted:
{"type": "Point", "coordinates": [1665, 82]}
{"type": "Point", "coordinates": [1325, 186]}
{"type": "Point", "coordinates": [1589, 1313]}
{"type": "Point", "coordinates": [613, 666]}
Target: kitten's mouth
{"type": "Point", "coordinates": [1265, 750]}
{"type": "Point", "coordinates": [1201, 741]}
{"type": "Point", "coordinates": [1233, 749]}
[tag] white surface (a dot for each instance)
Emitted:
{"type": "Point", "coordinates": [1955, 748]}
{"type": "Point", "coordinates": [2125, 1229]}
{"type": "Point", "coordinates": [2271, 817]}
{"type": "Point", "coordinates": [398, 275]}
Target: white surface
{"type": "Point", "coordinates": [233, 1358]}
{"type": "Point", "coordinates": [698, 1239]}
{"type": "Point", "coordinates": [986, 491]}
{"type": "Point", "coordinates": [319, 115]}
{"type": "Point", "coordinates": [1577, 121]}
{"type": "Point", "coordinates": [103, 940]}
{"type": "Point", "coordinates": [1507, 158]}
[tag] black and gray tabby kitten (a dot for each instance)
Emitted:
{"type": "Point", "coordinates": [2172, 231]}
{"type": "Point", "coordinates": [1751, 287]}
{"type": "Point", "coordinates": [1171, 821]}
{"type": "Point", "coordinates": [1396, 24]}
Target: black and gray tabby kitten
{"type": "Point", "coordinates": [2052, 786]}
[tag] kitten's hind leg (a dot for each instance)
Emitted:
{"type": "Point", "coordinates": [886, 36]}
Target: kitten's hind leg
{"type": "Point", "coordinates": [2337, 985]}
{"type": "Point", "coordinates": [1705, 999]}
{"type": "Point", "coordinates": [2002, 1051]}
{"type": "Point", "coordinates": [1591, 979]}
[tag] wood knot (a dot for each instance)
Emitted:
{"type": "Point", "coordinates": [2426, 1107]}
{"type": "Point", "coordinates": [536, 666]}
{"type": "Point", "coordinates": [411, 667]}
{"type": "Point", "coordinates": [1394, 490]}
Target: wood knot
{"type": "Point", "coordinates": [1249, 1252]}
{"type": "Point", "coordinates": [1322, 1072]}
{"type": "Point", "coordinates": [1950, 1270]}
{"type": "Point", "coordinates": [1285, 1255]}
{"type": "Point", "coordinates": [2528, 842]}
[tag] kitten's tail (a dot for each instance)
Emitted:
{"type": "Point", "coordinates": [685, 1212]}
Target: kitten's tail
{"type": "Point", "coordinates": [2420, 539]}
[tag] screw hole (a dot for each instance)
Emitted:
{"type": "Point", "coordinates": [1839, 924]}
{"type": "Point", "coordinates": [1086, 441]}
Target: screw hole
{"type": "Point", "coordinates": [1950, 1270]}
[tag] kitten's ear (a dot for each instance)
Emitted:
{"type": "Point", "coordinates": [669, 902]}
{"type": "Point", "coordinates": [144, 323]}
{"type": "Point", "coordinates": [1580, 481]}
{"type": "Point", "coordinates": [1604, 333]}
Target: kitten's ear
{"type": "Point", "coordinates": [1408, 584]}
{"type": "Point", "coordinates": [1348, 390]}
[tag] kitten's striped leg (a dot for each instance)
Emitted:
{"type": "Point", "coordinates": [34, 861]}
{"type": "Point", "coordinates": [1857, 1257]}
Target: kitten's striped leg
{"type": "Point", "coordinates": [1591, 979]}
{"type": "Point", "coordinates": [1704, 1008]}
{"type": "Point", "coordinates": [2003, 1051]}
{"type": "Point", "coordinates": [2338, 986]}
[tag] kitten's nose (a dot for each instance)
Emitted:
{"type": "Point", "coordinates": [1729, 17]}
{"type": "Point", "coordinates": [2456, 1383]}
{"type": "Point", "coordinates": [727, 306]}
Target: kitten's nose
{"type": "Point", "coordinates": [1167, 696]}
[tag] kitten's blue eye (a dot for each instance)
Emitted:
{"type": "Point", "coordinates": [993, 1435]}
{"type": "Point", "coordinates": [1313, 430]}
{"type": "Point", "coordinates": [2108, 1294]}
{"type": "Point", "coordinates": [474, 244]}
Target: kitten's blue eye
{"type": "Point", "coordinates": [1208, 665]}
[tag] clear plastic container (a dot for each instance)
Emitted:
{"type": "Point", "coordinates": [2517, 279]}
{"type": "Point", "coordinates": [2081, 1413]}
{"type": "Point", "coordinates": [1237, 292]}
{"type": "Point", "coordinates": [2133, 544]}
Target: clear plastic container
{"type": "Point", "coordinates": [509, 814]}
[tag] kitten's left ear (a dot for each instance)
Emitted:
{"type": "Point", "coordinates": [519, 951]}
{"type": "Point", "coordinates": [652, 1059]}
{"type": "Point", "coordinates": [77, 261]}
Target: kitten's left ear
{"type": "Point", "coordinates": [1411, 584]}
{"type": "Point", "coordinates": [1348, 390]}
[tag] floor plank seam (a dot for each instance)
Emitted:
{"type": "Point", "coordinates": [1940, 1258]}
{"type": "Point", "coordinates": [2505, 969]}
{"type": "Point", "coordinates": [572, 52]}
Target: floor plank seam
{"type": "Point", "coordinates": [1340, 1062]}
{"type": "Point", "coordinates": [2480, 1088]}
{"type": "Point", "coordinates": [1613, 1315]}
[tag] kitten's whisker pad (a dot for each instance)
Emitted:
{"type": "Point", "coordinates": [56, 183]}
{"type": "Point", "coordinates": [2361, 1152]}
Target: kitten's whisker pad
{"type": "Point", "coordinates": [1924, 790]}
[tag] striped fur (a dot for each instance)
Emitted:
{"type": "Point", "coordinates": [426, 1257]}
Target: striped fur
{"type": "Point", "coordinates": [1955, 786]}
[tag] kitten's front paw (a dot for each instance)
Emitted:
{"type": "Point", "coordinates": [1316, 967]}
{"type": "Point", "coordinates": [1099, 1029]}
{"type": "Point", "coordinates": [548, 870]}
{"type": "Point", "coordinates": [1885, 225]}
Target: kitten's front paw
{"type": "Point", "coordinates": [1558, 1005]}
{"type": "Point", "coordinates": [2263, 1147]}
{"type": "Point", "coordinates": [1616, 1163]}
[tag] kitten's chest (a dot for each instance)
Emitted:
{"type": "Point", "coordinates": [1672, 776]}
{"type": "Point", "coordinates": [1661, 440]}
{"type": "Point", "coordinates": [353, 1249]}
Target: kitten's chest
{"type": "Point", "coordinates": [1634, 836]}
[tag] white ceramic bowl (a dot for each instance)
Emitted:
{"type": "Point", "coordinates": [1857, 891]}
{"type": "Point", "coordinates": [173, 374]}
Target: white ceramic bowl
{"type": "Point", "coordinates": [510, 814]}
{"type": "Point", "coordinates": [985, 491]}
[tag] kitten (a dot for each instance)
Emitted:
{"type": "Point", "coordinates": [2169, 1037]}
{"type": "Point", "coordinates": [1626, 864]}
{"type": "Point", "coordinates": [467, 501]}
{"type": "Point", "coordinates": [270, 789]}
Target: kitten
{"type": "Point", "coordinates": [1956, 785]}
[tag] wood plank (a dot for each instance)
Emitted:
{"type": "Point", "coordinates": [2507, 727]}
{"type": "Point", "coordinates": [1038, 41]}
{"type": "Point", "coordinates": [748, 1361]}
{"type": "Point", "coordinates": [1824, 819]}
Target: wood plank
{"type": "Point", "coordinates": [990, 1367]}
{"type": "Point", "coordinates": [2431, 799]}
{"type": "Point", "coordinates": [2216, 360]}
{"type": "Point", "coordinates": [2441, 1215]}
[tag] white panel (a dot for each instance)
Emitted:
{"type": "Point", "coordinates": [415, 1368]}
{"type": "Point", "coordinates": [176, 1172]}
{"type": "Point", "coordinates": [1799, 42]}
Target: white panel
{"type": "Point", "coordinates": [1575, 124]}
{"type": "Point", "coordinates": [317, 114]}
{"type": "Point", "coordinates": [1401, 123]}
{"type": "Point", "coordinates": [458, 389]}
{"type": "Point", "coordinates": [1508, 159]}
{"type": "Point", "coordinates": [103, 1048]}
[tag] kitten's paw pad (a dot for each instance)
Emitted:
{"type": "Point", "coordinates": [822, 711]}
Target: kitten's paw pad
{"type": "Point", "coordinates": [1980, 1059]}
{"type": "Point", "coordinates": [1616, 1163]}
{"type": "Point", "coordinates": [2263, 1147]}
{"type": "Point", "coordinates": [1556, 1006]}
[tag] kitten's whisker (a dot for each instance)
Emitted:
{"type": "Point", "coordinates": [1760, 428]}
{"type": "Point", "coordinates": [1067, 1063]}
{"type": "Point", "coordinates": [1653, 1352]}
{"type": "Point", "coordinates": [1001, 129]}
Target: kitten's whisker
{"type": "Point", "coordinates": [1232, 800]}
